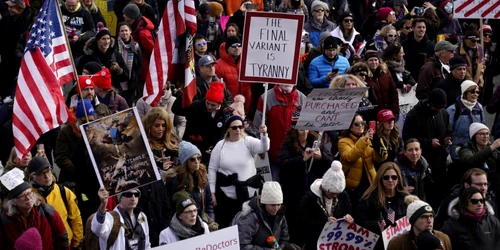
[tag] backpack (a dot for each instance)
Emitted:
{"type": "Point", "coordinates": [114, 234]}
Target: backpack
{"type": "Point", "coordinates": [91, 240]}
{"type": "Point", "coordinates": [62, 190]}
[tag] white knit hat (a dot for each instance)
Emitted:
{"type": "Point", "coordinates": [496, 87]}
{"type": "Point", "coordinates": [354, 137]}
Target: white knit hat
{"type": "Point", "coordinates": [416, 209]}
{"type": "Point", "coordinates": [475, 127]}
{"type": "Point", "coordinates": [334, 180]}
{"type": "Point", "coordinates": [271, 193]}
{"type": "Point", "coordinates": [467, 84]}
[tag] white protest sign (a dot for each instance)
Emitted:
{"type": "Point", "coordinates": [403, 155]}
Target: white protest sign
{"type": "Point", "coordinates": [271, 47]}
{"type": "Point", "coordinates": [224, 239]}
{"type": "Point", "coordinates": [401, 226]}
{"type": "Point", "coordinates": [330, 109]}
{"type": "Point", "coordinates": [13, 178]}
{"type": "Point", "coordinates": [406, 102]}
{"type": "Point", "coordinates": [342, 235]}
{"type": "Point", "coordinates": [477, 9]}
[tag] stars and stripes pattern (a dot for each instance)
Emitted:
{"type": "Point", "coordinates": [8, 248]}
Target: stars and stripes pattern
{"type": "Point", "coordinates": [391, 215]}
{"type": "Point", "coordinates": [477, 9]}
{"type": "Point", "coordinates": [39, 104]}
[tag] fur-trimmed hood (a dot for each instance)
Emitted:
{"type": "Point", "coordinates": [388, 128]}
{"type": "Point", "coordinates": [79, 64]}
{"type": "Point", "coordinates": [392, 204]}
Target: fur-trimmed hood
{"type": "Point", "coordinates": [454, 210]}
{"type": "Point", "coordinates": [91, 46]}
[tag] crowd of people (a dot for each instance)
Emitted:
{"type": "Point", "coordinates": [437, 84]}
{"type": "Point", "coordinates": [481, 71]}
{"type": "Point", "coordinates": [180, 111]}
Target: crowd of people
{"type": "Point", "coordinates": [439, 168]}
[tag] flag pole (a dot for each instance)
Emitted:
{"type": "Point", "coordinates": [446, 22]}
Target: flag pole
{"type": "Point", "coordinates": [266, 85]}
{"type": "Point", "coordinates": [59, 15]}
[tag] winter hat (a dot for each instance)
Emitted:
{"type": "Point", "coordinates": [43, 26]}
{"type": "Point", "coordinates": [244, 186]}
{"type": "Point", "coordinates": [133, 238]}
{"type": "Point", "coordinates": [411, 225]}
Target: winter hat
{"type": "Point", "coordinates": [119, 196]}
{"type": "Point", "coordinates": [186, 151]}
{"type": "Point", "coordinates": [231, 119]}
{"type": "Point", "coordinates": [271, 193]}
{"type": "Point", "coordinates": [239, 105]}
{"type": "Point", "coordinates": [83, 82]}
{"type": "Point", "coordinates": [215, 92]}
{"type": "Point", "coordinates": [383, 13]}
{"type": "Point", "coordinates": [385, 115]}
{"type": "Point", "coordinates": [426, 240]}
{"type": "Point", "coordinates": [182, 200]}
{"type": "Point", "coordinates": [132, 11]}
{"type": "Point", "coordinates": [204, 10]}
{"type": "Point", "coordinates": [416, 209]}
{"type": "Point", "coordinates": [29, 240]}
{"type": "Point", "coordinates": [316, 5]}
{"type": "Point", "coordinates": [323, 36]}
{"type": "Point", "coordinates": [466, 85]}
{"type": "Point", "coordinates": [456, 62]}
{"type": "Point", "coordinates": [92, 67]}
{"type": "Point", "coordinates": [344, 15]}
{"type": "Point", "coordinates": [371, 53]}
{"type": "Point", "coordinates": [20, 3]}
{"type": "Point", "coordinates": [216, 9]}
{"type": "Point", "coordinates": [102, 79]}
{"type": "Point", "coordinates": [334, 180]}
{"type": "Point", "coordinates": [472, 32]}
{"type": "Point", "coordinates": [447, 6]}
{"type": "Point", "coordinates": [37, 165]}
{"type": "Point", "coordinates": [79, 113]}
{"type": "Point", "coordinates": [437, 98]}
{"type": "Point", "coordinates": [232, 40]}
{"type": "Point", "coordinates": [19, 189]}
{"type": "Point", "coordinates": [330, 43]}
{"type": "Point", "coordinates": [475, 127]}
{"type": "Point", "coordinates": [400, 2]}
{"type": "Point", "coordinates": [487, 29]}
{"type": "Point", "coordinates": [101, 31]}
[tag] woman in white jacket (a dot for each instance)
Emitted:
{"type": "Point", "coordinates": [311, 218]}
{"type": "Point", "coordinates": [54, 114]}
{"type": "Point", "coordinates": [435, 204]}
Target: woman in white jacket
{"type": "Point", "coordinates": [186, 223]}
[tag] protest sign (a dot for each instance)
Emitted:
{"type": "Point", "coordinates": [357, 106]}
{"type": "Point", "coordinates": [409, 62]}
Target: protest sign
{"type": "Point", "coordinates": [342, 235]}
{"type": "Point", "coordinates": [401, 226]}
{"type": "Point", "coordinates": [12, 178]}
{"type": "Point", "coordinates": [225, 239]}
{"type": "Point", "coordinates": [330, 109]}
{"type": "Point", "coordinates": [271, 47]}
{"type": "Point", "coordinates": [263, 167]}
{"type": "Point", "coordinates": [477, 9]}
{"type": "Point", "coordinates": [120, 152]}
{"type": "Point", "coordinates": [406, 102]}
{"type": "Point", "coordinates": [106, 8]}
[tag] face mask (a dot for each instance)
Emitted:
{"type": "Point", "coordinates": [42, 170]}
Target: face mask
{"type": "Point", "coordinates": [448, 8]}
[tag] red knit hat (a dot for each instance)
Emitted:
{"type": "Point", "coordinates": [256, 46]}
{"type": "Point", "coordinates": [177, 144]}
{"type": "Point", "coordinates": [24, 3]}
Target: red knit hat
{"type": "Point", "coordinates": [29, 240]}
{"type": "Point", "coordinates": [83, 82]}
{"type": "Point", "coordinates": [216, 92]}
{"type": "Point", "coordinates": [102, 79]}
{"type": "Point", "coordinates": [487, 29]}
{"type": "Point", "coordinates": [383, 13]}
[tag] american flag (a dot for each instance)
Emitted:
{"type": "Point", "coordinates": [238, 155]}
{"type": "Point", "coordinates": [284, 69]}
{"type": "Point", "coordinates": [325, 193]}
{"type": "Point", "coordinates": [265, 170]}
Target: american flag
{"type": "Point", "coordinates": [173, 47]}
{"type": "Point", "coordinates": [391, 215]}
{"type": "Point", "coordinates": [381, 224]}
{"type": "Point", "coordinates": [39, 104]}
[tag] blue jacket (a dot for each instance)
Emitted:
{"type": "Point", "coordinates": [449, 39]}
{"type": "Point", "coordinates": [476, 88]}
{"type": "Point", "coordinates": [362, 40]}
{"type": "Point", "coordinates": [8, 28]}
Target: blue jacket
{"type": "Point", "coordinates": [320, 67]}
{"type": "Point", "coordinates": [315, 30]}
{"type": "Point", "coordinates": [461, 124]}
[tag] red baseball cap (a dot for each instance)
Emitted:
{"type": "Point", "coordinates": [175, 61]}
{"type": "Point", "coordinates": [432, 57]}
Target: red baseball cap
{"type": "Point", "coordinates": [385, 115]}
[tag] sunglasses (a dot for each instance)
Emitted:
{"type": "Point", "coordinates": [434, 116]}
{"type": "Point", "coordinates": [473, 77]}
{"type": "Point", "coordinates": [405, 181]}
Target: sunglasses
{"type": "Point", "coordinates": [362, 75]}
{"type": "Point", "coordinates": [236, 45]}
{"type": "Point", "coordinates": [474, 92]}
{"type": "Point", "coordinates": [318, 10]}
{"type": "Point", "coordinates": [358, 124]}
{"type": "Point", "coordinates": [476, 201]}
{"type": "Point", "coordinates": [487, 35]}
{"type": "Point", "coordinates": [393, 177]}
{"type": "Point", "coordinates": [407, 27]}
{"type": "Point", "coordinates": [391, 35]}
{"type": "Point", "coordinates": [201, 44]}
{"type": "Point", "coordinates": [194, 159]}
{"type": "Point", "coordinates": [129, 194]}
{"type": "Point", "coordinates": [237, 127]}
{"type": "Point", "coordinates": [474, 41]}
{"type": "Point", "coordinates": [348, 20]}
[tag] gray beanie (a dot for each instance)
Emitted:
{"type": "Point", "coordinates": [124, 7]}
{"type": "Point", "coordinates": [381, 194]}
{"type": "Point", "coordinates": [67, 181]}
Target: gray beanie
{"type": "Point", "coordinates": [324, 36]}
{"type": "Point", "coordinates": [186, 151]}
{"type": "Point", "coordinates": [132, 11]}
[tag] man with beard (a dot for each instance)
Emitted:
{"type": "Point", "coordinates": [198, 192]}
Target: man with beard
{"type": "Point", "coordinates": [86, 87]}
{"type": "Point", "coordinates": [418, 47]}
{"type": "Point", "coordinates": [451, 85]}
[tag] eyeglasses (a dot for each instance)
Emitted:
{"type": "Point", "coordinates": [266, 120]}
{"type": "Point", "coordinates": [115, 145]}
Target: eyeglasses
{"type": "Point", "coordinates": [193, 159]}
{"type": "Point", "coordinates": [391, 35]}
{"type": "Point", "coordinates": [348, 20]}
{"type": "Point", "coordinates": [236, 45]}
{"type": "Point", "coordinates": [476, 201]}
{"type": "Point", "coordinates": [130, 194]}
{"type": "Point", "coordinates": [475, 92]}
{"type": "Point", "coordinates": [201, 44]}
{"type": "Point", "coordinates": [318, 10]}
{"type": "Point", "coordinates": [483, 134]}
{"type": "Point", "coordinates": [358, 124]}
{"type": "Point", "coordinates": [194, 211]}
{"type": "Point", "coordinates": [393, 177]}
{"type": "Point", "coordinates": [25, 197]}
{"type": "Point", "coordinates": [237, 127]}
{"type": "Point", "coordinates": [407, 27]}
{"type": "Point", "coordinates": [474, 41]}
{"type": "Point", "coordinates": [44, 172]}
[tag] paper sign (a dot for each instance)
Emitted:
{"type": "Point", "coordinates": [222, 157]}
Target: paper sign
{"type": "Point", "coordinates": [402, 226]}
{"type": "Point", "coordinates": [13, 178]}
{"type": "Point", "coordinates": [342, 235]}
{"type": "Point", "coordinates": [477, 9]}
{"type": "Point", "coordinates": [330, 109]}
{"type": "Point", "coordinates": [225, 239]}
{"type": "Point", "coordinates": [271, 47]}
{"type": "Point", "coordinates": [263, 167]}
{"type": "Point", "coordinates": [120, 152]}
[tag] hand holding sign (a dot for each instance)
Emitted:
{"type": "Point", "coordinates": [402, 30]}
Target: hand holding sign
{"type": "Point", "coordinates": [339, 234]}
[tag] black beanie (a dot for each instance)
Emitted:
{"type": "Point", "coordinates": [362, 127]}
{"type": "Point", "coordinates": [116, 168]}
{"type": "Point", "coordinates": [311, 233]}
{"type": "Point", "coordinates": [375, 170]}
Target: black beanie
{"type": "Point", "coordinates": [93, 67]}
{"type": "Point", "coordinates": [232, 40]}
{"type": "Point", "coordinates": [330, 43]}
{"type": "Point", "coordinates": [437, 98]}
{"type": "Point", "coordinates": [426, 240]}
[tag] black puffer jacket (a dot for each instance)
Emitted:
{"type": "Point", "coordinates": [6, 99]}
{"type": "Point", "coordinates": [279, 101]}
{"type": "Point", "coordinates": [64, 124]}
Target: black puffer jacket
{"type": "Point", "coordinates": [417, 53]}
{"type": "Point", "coordinates": [256, 225]}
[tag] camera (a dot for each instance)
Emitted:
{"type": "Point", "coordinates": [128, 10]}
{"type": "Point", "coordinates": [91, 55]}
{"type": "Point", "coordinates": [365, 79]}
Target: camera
{"type": "Point", "coordinates": [419, 11]}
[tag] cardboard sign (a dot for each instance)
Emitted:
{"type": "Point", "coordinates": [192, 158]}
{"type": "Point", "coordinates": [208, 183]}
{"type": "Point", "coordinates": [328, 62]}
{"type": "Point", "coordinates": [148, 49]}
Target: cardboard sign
{"type": "Point", "coordinates": [477, 9]}
{"type": "Point", "coordinates": [120, 152]}
{"type": "Point", "coordinates": [342, 235]}
{"type": "Point", "coordinates": [330, 109]}
{"type": "Point", "coordinates": [225, 239]}
{"type": "Point", "coordinates": [12, 179]}
{"type": "Point", "coordinates": [263, 167]}
{"type": "Point", "coordinates": [402, 226]}
{"type": "Point", "coordinates": [271, 47]}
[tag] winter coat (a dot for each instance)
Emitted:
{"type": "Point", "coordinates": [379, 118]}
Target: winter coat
{"type": "Point", "coordinates": [414, 176]}
{"type": "Point", "coordinates": [142, 33]}
{"type": "Point", "coordinates": [42, 217]}
{"type": "Point", "coordinates": [315, 29]}
{"type": "Point", "coordinates": [202, 87]}
{"type": "Point", "coordinates": [466, 234]}
{"type": "Point", "coordinates": [357, 157]}
{"type": "Point", "coordinates": [461, 124]}
{"type": "Point", "coordinates": [168, 236]}
{"type": "Point", "coordinates": [98, 17]}
{"type": "Point", "coordinates": [354, 43]}
{"type": "Point", "coordinates": [136, 69]}
{"type": "Point", "coordinates": [114, 101]}
{"type": "Point", "coordinates": [407, 241]}
{"type": "Point", "coordinates": [451, 86]}
{"type": "Point", "coordinates": [93, 54]}
{"type": "Point", "coordinates": [255, 226]}
{"type": "Point", "coordinates": [148, 12]}
{"type": "Point", "coordinates": [430, 75]}
{"type": "Point", "coordinates": [79, 23]}
{"type": "Point", "coordinates": [417, 53]}
{"type": "Point", "coordinates": [314, 216]}
{"type": "Point", "coordinates": [228, 69]}
{"type": "Point", "coordinates": [401, 78]}
{"type": "Point", "coordinates": [384, 88]}
{"type": "Point", "coordinates": [103, 230]}
{"type": "Point", "coordinates": [320, 67]}
{"type": "Point", "coordinates": [65, 147]}
{"type": "Point", "coordinates": [474, 67]}
{"type": "Point", "coordinates": [494, 108]}
{"type": "Point", "coordinates": [280, 107]}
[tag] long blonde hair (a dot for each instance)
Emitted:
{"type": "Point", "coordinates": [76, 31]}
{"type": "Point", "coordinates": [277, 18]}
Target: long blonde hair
{"type": "Point", "coordinates": [169, 138]}
{"type": "Point", "coordinates": [379, 186]}
{"type": "Point", "coordinates": [393, 138]}
{"type": "Point", "coordinates": [92, 9]}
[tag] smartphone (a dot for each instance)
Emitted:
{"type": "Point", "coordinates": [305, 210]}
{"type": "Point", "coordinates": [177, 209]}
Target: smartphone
{"type": "Point", "coordinates": [373, 125]}
{"type": "Point", "coordinates": [335, 71]}
{"type": "Point", "coordinates": [419, 11]}
{"type": "Point", "coordinates": [252, 6]}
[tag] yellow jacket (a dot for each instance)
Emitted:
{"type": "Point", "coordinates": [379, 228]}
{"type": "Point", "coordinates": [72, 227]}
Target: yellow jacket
{"type": "Point", "coordinates": [75, 230]}
{"type": "Point", "coordinates": [357, 155]}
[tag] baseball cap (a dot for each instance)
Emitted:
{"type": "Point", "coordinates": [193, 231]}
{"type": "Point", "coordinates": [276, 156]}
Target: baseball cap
{"type": "Point", "coordinates": [206, 60]}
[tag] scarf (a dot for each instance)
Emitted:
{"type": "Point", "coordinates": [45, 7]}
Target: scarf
{"type": "Point", "coordinates": [184, 232]}
{"type": "Point", "coordinates": [467, 104]}
{"type": "Point", "coordinates": [398, 67]}
{"type": "Point", "coordinates": [44, 191]}
{"type": "Point", "coordinates": [133, 232]}
{"type": "Point", "coordinates": [127, 53]}
{"type": "Point", "coordinates": [474, 217]}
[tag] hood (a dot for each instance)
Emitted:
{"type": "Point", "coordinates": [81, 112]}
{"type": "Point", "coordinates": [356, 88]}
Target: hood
{"type": "Point", "coordinates": [453, 209]}
{"type": "Point", "coordinates": [337, 32]}
{"type": "Point", "coordinates": [145, 24]}
{"type": "Point", "coordinates": [91, 46]}
{"type": "Point", "coordinates": [229, 59]}
{"type": "Point", "coordinates": [290, 99]}
{"type": "Point", "coordinates": [315, 187]}
{"type": "Point", "coordinates": [422, 164]}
